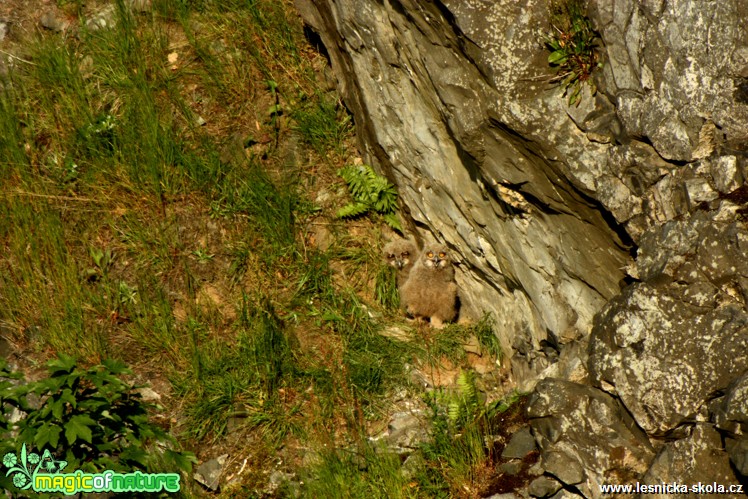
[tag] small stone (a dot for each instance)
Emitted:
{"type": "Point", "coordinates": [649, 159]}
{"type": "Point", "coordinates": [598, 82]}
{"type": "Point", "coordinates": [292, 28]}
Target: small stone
{"type": "Point", "coordinates": [148, 394]}
{"type": "Point", "coordinates": [563, 467]}
{"type": "Point", "coordinates": [520, 445]}
{"type": "Point", "coordinates": [322, 238]}
{"type": "Point", "coordinates": [472, 345]}
{"type": "Point", "coordinates": [209, 473]}
{"type": "Point", "coordinates": [412, 465]}
{"type": "Point", "coordinates": [738, 452]}
{"type": "Point", "coordinates": [406, 431]}
{"type": "Point", "coordinates": [86, 67]}
{"type": "Point", "coordinates": [3, 30]}
{"type": "Point", "coordinates": [699, 190]}
{"type": "Point", "coordinates": [51, 20]}
{"type": "Point", "coordinates": [105, 18]}
{"type": "Point", "coordinates": [543, 486]}
{"type": "Point", "coordinates": [396, 333]}
{"type": "Point", "coordinates": [140, 5]}
{"type": "Point", "coordinates": [511, 468]}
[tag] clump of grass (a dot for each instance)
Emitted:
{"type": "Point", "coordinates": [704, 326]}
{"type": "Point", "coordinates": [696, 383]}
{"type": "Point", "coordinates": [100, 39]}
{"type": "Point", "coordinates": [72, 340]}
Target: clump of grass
{"type": "Point", "coordinates": [364, 472]}
{"type": "Point", "coordinates": [572, 42]}
{"type": "Point", "coordinates": [385, 287]}
{"type": "Point", "coordinates": [241, 380]}
{"type": "Point", "coordinates": [323, 125]}
{"type": "Point", "coordinates": [450, 341]}
{"type": "Point", "coordinates": [484, 332]}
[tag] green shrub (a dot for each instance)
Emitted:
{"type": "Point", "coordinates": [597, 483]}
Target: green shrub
{"type": "Point", "coordinates": [91, 417]}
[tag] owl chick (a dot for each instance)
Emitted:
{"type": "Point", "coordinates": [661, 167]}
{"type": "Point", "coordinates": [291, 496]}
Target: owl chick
{"type": "Point", "coordinates": [430, 291]}
{"type": "Point", "coordinates": [401, 254]}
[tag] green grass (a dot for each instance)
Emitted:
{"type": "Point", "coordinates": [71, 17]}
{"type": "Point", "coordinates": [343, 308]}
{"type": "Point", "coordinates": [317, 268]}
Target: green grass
{"type": "Point", "coordinates": [129, 233]}
{"type": "Point", "coordinates": [324, 125]}
{"type": "Point", "coordinates": [366, 471]}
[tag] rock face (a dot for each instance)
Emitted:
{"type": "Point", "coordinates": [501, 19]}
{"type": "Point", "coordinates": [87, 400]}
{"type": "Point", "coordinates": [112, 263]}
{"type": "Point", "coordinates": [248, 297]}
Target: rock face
{"type": "Point", "coordinates": [667, 345]}
{"type": "Point", "coordinates": [555, 210]}
{"type": "Point", "coordinates": [586, 437]}
{"type": "Point", "coordinates": [440, 104]}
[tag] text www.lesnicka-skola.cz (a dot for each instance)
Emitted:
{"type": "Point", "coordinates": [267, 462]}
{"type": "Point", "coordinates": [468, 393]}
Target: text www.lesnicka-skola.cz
{"type": "Point", "coordinates": [672, 488]}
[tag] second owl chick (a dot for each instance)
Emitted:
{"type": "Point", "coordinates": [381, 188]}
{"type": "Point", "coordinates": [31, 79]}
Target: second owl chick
{"type": "Point", "coordinates": [401, 254]}
{"type": "Point", "coordinates": [430, 291]}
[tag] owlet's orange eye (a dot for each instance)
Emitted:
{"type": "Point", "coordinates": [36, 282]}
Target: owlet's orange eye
{"type": "Point", "coordinates": [405, 253]}
{"type": "Point", "coordinates": [430, 254]}
{"type": "Point", "coordinates": [442, 254]}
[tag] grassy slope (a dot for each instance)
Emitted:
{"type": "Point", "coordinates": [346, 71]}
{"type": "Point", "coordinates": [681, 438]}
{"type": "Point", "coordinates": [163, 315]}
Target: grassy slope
{"type": "Point", "coordinates": [162, 189]}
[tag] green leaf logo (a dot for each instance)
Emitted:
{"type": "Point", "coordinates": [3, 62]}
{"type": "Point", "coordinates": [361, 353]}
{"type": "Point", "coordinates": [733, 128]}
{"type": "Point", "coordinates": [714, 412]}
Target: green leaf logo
{"type": "Point", "coordinates": [25, 468]}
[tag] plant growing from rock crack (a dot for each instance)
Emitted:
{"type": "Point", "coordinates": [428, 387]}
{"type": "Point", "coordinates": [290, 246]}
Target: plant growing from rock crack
{"type": "Point", "coordinates": [572, 43]}
{"type": "Point", "coordinates": [370, 192]}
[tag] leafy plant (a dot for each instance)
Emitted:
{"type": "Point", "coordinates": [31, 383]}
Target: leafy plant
{"type": "Point", "coordinates": [462, 430]}
{"type": "Point", "coordinates": [90, 416]}
{"type": "Point", "coordinates": [465, 405]}
{"type": "Point", "coordinates": [370, 192]}
{"type": "Point", "coordinates": [572, 43]}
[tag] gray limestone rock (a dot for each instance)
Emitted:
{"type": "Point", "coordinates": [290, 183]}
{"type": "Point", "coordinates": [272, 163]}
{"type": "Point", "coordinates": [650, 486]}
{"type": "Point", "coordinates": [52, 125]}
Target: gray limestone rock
{"type": "Point", "coordinates": [737, 449]}
{"type": "Point", "coordinates": [667, 345]}
{"type": "Point", "coordinates": [543, 486]}
{"type": "Point", "coordinates": [209, 473]}
{"type": "Point", "coordinates": [585, 436]}
{"type": "Point", "coordinates": [54, 21]}
{"type": "Point", "coordinates": [730, 414]}
{"type": "Point", "coordinates": [699, 458]}
{"type": "Point", "coordinates": [105, 18]}
{"type": "Point", "coordinates": [406, 431]}
{"type": "Point", "coordinates": [520, 445]}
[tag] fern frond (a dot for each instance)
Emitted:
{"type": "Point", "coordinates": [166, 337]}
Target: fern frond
{"type": "Point", "coordinates": [353, 210]}
{"type": "Point", "coordinates": [386, 202]}
{"type": "Point", "coordinates": [369, 191]}
{"type": "Point", "coordinates": [393, 221]}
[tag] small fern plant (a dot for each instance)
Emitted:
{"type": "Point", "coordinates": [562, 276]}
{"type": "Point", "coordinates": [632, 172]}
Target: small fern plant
{"type": "Point", "coordinates": [466, 405]}
{"type": "Point", "coordinates": [371, 193]}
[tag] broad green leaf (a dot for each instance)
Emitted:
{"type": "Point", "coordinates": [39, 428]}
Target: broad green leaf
{"type": "Point", "coordinates": [182, 460]}
{"type": "Point", "coordinates": [558, 57]}
{"type": "Point", "coordinates": [62, 364]}
{"type": "Point", "coordinates": [79, 427]}
{"type": "Point", "coordinates": [47, 435]}
{"type": "Point", "coordinates": [68, 397]}
{"type": "Point", "coordinates": [57, 406]}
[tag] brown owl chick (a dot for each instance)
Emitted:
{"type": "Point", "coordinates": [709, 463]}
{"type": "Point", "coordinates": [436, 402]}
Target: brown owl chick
{"type": "Point", "coordinates": [430, 291]}
{"type": "Point", "coordinates": [401, 254]}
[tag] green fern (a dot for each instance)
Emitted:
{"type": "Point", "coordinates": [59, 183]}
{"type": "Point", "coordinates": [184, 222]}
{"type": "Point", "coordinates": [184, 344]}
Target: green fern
{"type": "Point", "coordinates": [353, 210]}
{"type": "Point", "coordinates": [370, 192]}
{"type": "Point", "coordinates": [466, 405]}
